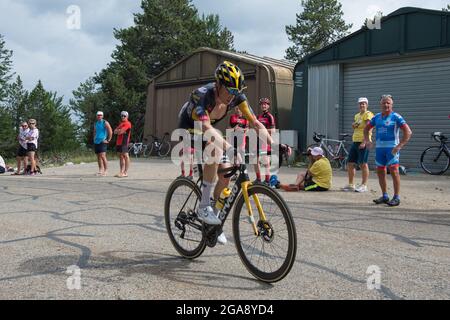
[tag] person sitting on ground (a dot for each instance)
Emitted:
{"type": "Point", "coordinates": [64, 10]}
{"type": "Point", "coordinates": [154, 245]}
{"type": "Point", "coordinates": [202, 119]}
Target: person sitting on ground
{"type": "Point", "coordinates": [2, 165]}
{"type": "Point", "coordinates": [317, 178]}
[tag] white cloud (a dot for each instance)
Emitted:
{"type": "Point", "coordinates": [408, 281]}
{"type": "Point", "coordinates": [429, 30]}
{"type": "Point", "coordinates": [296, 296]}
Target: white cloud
{"type": "Point", "coordinates": [45, 49]}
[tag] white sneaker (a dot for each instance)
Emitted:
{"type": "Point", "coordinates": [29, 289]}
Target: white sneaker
{"type": "Point", "coordinates": [207, 216]}
{"type": "Point", "coordinates": [222, 239]}
{"type": "Point", "coordinates": [362, 188]}
{"type": "Point", "coordinates": [349, 187]}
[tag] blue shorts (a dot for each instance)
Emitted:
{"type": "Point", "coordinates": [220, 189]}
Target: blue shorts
{"type": "Point", "coordinates": [357, 155]}
{"type": "Point", "coordinates": [384, 158]}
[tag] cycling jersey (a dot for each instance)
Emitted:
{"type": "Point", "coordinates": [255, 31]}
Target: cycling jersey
{"type": "Point", "coordinates": [267, 120]}
{"type": "Point", "coordinates": [238, 121]}
{"type": "Point", "coordinates": [387, 129]}
{"type": "Point", "coordinates": [203, 101]}
{"type": "Point", "coordinates": [124, 139]}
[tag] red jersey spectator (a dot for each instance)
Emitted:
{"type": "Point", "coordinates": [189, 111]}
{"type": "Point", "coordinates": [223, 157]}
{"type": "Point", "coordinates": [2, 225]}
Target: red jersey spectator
{"type": "Point", "coordinates": [123, 132]}
{"type": "Point", "coordinates": [268, 120]}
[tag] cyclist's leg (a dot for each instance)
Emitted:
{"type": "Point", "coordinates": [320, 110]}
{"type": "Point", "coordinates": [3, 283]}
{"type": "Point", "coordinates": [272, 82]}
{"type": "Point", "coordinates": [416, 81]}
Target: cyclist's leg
{"type": "Point", "coordinates": [222, 182]}
{"type": "Point", "coordinates": [381, 162]}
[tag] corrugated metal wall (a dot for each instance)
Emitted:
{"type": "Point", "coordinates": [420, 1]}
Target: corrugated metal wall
{"type": "Point", "coordinates": [421, 90]}
{"type": "Point", "coordinates": [169, 91]}
{"type": "Point", "coordinates": [323, 100]}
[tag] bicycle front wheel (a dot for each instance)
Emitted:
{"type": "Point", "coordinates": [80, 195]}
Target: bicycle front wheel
{"type": "Point", "coordinates": [164, 149]}
{"type": "Point", "coordinates": [185, 231]}
{"type": "Point", "coordinates": [270, 255]}
{"type": "Point", "coordinates": [435, 161]}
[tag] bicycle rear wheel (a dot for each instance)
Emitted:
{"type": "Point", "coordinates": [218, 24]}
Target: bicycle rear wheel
{"type": "Point", "coordinates": [185, 231]}
{"type": "Point", "coordinates": [164, 149]}
{"type": "Point", "coordinates": [435, 161]}
{"type": "Point", "coordinates": [270, 255]}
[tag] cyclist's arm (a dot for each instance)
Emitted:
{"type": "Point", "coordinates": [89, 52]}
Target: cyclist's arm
{"type": "Point", "coordinates": [254, 123]}
{"type": "Point", "coordinates": [219, 141]}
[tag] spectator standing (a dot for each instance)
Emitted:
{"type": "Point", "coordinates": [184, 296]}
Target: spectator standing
{"type": "Point", "coordinates": [102, 137]}
{"type": "Point", "coordinates": [21, 155]}
{"type": "Point", "coordinates": [388, 145]}
{"type": "Point", "coordinates": [123, 132]}
{"type": "Point", "coordinates": [32, 138]}
{"type": "Point", "coordinates": [267, 119]}
{"type": "Point", "coordinates": [359, 153]}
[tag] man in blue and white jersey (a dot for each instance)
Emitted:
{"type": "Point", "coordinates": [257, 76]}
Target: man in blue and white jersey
{"type": "Point", "coordinates": [387, 126]}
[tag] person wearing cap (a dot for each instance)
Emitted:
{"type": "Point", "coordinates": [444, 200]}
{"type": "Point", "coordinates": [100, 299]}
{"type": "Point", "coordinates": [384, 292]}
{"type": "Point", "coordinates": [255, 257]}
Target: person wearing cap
{"type": "Point", "coordinates": [32, 138]}
{"type": "Point", "coordinates": [359, 153]}
{"type": "Point", "coordinates": [123, 132]}
{"type": "Point", "coordinates": [102, 137]}
{"type": "Point", "coordinates": [317, 178]}
{"type": "Point", "coordinates": [268, 121]}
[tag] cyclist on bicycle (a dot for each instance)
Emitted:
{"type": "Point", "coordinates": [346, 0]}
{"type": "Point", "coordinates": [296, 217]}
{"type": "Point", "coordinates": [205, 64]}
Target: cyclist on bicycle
{"type": "Point", "coordinates": [209, 105]}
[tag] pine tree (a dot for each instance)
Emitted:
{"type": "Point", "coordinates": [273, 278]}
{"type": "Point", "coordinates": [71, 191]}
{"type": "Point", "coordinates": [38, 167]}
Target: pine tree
{"type": "Point", "coordinates": [5, 68]}
{"type": "Point", "coordinates": [320, 24]}
{"type": "Point", "coordinates": [85, 104]}
{"type": "Point", "coordinates": [163, 33]}
{"type": "Point", "coordinates": [15, 102]}
{"type": "Point", "coordinates": [57, 131]}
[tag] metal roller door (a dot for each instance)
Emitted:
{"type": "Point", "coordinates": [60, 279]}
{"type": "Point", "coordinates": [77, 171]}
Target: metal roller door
{"type": "Point", "coordinates": [421, 90]}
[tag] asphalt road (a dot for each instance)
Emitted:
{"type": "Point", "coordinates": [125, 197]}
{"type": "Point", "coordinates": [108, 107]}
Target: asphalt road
{"type": "Point", "coordinates": [113, 230]}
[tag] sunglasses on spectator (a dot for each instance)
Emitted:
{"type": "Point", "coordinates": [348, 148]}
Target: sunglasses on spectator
{"type": "Point", "coordinates": [123, 116]}
{"type": "Point", "coordinates": [386, 96]}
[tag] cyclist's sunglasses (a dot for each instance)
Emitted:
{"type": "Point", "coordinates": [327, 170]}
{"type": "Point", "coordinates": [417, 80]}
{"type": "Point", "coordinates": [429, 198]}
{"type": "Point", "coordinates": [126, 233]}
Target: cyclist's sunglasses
{"type": "Point", "coordinates": [232, 91]}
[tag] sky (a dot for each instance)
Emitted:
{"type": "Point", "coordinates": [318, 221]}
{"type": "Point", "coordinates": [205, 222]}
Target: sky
{"type": "Point", "coordinates": [49, 43]}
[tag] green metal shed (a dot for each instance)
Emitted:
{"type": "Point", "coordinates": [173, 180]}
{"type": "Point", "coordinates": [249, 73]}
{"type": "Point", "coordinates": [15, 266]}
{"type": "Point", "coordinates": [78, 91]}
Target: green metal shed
{"type": "Point", "coordinates": [409, 57]}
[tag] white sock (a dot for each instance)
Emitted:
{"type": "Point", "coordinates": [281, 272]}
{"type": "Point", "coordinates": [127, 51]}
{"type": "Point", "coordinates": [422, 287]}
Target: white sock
{"type": "Point", "coordinates": [207, 188]}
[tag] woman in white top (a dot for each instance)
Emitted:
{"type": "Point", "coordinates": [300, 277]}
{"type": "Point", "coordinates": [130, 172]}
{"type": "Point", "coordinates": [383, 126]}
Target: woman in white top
{"type": "Point", "coordinates": [22, 151]}
{"type": "Point", "coordinates": [32, 144]}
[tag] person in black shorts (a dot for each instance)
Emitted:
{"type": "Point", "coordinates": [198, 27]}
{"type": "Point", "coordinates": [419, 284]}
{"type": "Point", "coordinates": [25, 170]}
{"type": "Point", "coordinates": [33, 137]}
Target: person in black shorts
{"type": "Point", "coordinates": [21, 155]}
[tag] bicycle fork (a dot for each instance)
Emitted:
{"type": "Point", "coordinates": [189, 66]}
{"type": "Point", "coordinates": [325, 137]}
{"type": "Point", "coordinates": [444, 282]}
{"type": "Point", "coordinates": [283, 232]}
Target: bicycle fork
{"type": "Point", "coordinates": [262, 216]}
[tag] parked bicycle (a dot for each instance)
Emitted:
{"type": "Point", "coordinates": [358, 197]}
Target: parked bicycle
{"type": "Point", "coordinates": [334, 150]}
{"type": "Point", "coordinates": [266, 242]}
{"type": "Point", "coordinates": [435, 160]}
{"type": "Point", "coordinates": [139, 149]}
{"type": "Point", "coordinates": [161, 147]}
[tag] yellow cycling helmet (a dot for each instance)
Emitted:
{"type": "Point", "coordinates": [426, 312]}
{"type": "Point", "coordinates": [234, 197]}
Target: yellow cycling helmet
{"type": "Point", "coordinates": [230, 76]}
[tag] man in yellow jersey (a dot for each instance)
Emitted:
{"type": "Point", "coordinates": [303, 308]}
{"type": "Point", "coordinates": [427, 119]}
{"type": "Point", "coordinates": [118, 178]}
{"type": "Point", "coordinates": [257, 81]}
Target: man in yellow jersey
{"type": "Point", "coordinates": [359, 153]}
